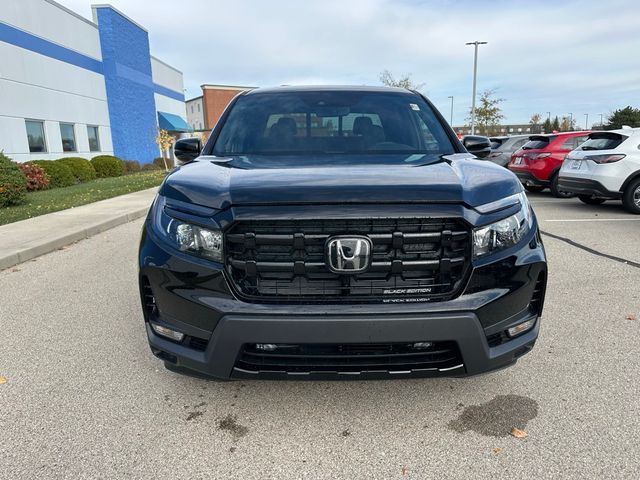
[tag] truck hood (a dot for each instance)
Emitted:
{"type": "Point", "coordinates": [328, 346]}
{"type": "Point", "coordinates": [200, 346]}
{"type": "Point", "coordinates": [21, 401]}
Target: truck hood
{"type": "Point", "coordinates": [220, 183]}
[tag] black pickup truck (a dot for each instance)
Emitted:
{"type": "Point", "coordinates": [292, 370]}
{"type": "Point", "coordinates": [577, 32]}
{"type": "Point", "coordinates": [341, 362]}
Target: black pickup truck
{"type": "Point", "coordinates": [339, 232]}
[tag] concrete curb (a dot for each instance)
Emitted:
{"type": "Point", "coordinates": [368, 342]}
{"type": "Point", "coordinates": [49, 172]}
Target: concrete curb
{"type": "Point", "coordinates": [60, 241]}
{"type": "Point", "coordinates": [53, 231]}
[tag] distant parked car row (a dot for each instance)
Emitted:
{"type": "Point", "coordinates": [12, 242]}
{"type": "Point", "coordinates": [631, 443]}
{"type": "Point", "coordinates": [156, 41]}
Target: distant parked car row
{"type": "Point", "coordinates": [537, 164]}
{"type": "Point", "coordinates": [595, 166]}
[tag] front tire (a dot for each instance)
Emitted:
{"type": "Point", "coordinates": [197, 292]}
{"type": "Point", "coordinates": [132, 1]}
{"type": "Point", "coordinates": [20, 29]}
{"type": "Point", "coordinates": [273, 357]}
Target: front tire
{"type": "Point", "coordinates": [556, 192]}
{"type": "Point", "coordinates": [589, 200]}
{"type": "Point", "coordinates": [631, 197]}
{"type": "Point", "coordinates": [533, 188]}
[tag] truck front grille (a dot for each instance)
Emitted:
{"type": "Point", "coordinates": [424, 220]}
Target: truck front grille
{"type": "Point", "coordinates": [411, 260]}
{"type": "Point", "coordinates": [349, 358]}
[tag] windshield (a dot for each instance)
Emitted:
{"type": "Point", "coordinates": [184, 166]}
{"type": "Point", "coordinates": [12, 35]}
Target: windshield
{"type": "Point", "coordinates": [332, 123]}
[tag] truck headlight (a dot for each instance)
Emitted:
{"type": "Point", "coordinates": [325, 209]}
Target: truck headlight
{"type": "Point", "coordinates": [503, 233]}
{"type": "Point", "coordinates": [204, 242]}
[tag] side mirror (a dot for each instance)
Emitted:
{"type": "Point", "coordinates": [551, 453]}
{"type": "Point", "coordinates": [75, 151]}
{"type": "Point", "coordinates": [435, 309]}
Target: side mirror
{"type": "Point", "coordinates": [477, 145]}
{"type": "Point", "coordinates": [187, 149]}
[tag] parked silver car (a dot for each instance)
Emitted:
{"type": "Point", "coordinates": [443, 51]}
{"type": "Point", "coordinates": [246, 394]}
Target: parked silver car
{"type": "Point", "coordinates": [503, 147]}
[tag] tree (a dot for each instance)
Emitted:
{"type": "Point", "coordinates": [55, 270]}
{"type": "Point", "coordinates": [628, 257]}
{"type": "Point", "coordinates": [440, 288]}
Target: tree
{"type": "Point", "coordinates": [555, 125]}
{"type": "Point", "coordinates": [164, 141]}
{"type": "Point", "coordinates": [535, 122]}
{"type": "Point", "coordinates": [404, 81]}
{"type": "Point", "coordinates": [546, 126]}
{"type": "Point", "coordinates": [625, 116]}
{"type": "Point", "coordinates": [488, 112]}
{"type": "Point", "coordinates": [567, 124]}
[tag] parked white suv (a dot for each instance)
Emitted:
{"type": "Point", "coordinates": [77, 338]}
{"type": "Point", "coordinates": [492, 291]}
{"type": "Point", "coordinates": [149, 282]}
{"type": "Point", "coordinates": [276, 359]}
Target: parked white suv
{"type": "Point", "coordinates": [605, 167]}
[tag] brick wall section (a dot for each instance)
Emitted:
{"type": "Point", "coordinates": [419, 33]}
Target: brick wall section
{"type": "Point", "coordinates": [215, 101]}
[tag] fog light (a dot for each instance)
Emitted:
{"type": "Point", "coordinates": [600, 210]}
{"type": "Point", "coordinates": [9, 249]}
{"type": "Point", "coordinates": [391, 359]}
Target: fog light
{"type": "Point", "coordinates": [266, 347]}
{"type": "Point", "coordinates": [521, 328]}
{"type": "Point", "coordinates": [422, 345]}
{"type": "Point", "coordinates": [167, 332]}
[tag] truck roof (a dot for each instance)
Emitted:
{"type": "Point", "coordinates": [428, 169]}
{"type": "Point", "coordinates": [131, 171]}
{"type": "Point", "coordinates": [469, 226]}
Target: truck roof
{"type": "Point", "coordinates": [326, 88]}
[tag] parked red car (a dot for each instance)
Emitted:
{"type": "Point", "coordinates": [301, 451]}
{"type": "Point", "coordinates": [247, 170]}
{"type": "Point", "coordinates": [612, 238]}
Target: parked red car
{"type": "Point", "coordinates": [539, 160]}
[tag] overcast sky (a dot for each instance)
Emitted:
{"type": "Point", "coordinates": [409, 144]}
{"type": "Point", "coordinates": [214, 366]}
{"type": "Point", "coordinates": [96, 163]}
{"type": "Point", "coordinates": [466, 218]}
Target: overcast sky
{"type": "Point", "coordinates": [557, 56]}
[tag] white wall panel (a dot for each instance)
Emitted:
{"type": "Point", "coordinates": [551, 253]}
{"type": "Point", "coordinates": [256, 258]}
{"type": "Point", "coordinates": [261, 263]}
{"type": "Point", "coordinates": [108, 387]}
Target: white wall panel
{"type": "Point", "coordinates": [54, 139]}
{"type": "Point", "coordinates": [169, 105]}
{"type": "Point", "coordinates": [25, 66]}
{"type": "Point", "coordinates": [13, 136]}
{"type": "Point", "coordinates": [28, 101]}
{"type": "Point", "coordinates": [105, 139]}
{"type": "Point", "coordinates": [82, 138]}
{"type": "Point", "coordinates": [53, 22]}
{"type": "Point", "coordinates": [166, 76]}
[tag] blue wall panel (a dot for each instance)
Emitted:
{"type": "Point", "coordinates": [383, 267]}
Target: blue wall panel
{"type": "Point", "coordinates": [126, 63]}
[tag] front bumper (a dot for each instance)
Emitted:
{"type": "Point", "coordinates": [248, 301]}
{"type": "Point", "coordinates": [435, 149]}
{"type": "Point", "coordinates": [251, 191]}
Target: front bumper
{"type": "Point", "coordinates": [233, 331]}
{"type": "Point", "coordinates": [192, 296]}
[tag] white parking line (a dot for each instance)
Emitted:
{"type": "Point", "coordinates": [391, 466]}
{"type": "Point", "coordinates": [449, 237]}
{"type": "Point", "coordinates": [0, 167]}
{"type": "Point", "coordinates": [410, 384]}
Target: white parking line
{"type": "Point", "coordinates": [595, 220]}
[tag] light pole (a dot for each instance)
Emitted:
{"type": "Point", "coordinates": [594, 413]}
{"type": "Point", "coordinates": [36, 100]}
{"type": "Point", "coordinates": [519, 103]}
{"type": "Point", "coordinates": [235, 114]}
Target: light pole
{"type": "Point", "coordinates": [451, 97]}
{"type": "Point", "coordinates": [601, 120]}
{"type": "Point", "coordinates": [586, 121]}
{"type": "Point", "coordinates": [549, 116]}
{"type": "Point", "coordinates": [571, 120]}
{"type": "Point", "coordinates": [475, 74]}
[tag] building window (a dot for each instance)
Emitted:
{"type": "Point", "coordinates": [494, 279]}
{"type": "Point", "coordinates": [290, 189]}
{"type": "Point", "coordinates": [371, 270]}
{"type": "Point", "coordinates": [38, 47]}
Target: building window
{"type": "Point", "coordinates": [94, 138]}
{"type": "Point", "coordinates": [191, 108]}
{"type": "Point", "coordinates": [35, 136]}
{"type": "Point", "coordinates": [68, 137]}
{"type": "Point", "coordinates": [198, 108]}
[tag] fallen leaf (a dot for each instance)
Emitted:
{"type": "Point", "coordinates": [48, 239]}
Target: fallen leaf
{"type": "Point", "coordinates": [405, 470]}
{"type": "Point", "coordinates": [497, 450]}
{"type": "Point", "coordinates": [516, 432]}
{"type": "Point", "coordinates": [631, 316]}
{"type": "Point", "coordinates": [3, 380]}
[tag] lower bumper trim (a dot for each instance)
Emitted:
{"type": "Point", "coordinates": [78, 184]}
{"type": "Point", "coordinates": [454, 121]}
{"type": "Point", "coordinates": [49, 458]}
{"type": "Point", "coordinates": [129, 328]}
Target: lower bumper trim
{"type": "Point", "coordinates": [527, 178]}
{"type": "Point", "coordinates": [585, 186]}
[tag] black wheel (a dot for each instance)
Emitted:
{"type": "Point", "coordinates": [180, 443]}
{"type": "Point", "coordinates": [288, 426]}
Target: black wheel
{"type": "Point", "coordinates": [556, 192]}
{"type": "Point", "coordinates": [589, 200]}
{"type": "Point", "coordinates": [533, 188]}
{"type": "Point", "coordinates": [631, 197]}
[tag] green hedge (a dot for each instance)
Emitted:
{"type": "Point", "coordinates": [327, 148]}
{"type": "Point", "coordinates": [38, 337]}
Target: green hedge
{"type": "Point", "coordinates": [80, 167]}
{"type": "Point", "coordinates": [13, 184]}
{"type": "Point", "coordinates": [60, 175]}
{"type": "Point", "coordinates": [108, 166]}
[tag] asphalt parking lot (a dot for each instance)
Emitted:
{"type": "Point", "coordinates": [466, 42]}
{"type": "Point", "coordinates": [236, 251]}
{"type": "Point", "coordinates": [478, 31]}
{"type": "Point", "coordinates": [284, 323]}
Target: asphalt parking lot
{"type": "Point", "coordinates": [84, 397]}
